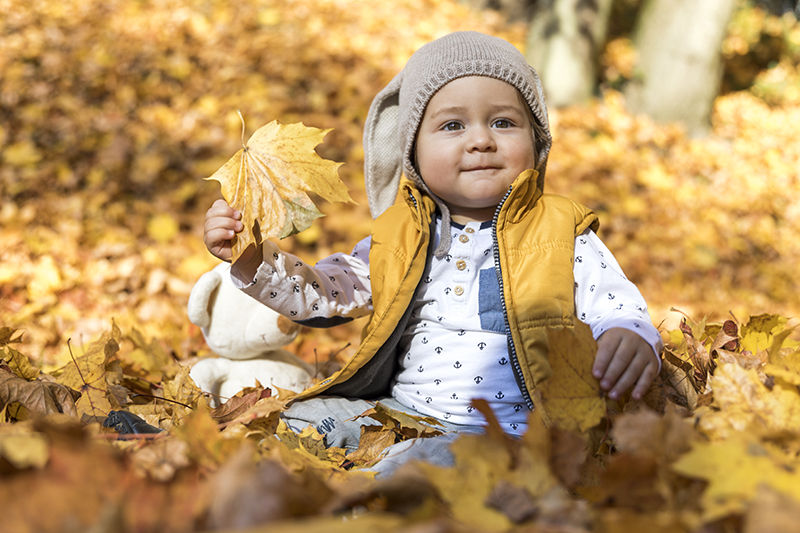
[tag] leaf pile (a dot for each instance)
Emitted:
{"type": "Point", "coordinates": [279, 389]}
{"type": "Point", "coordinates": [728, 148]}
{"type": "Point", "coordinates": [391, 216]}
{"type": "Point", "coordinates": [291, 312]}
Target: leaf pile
{"type": "Point", "coordinates": [112, 111]}
{"type": "Point", "coordinates": [712, 447]}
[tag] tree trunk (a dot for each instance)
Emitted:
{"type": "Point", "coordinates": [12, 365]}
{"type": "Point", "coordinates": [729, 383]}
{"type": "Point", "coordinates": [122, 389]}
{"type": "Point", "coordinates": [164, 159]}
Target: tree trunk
{"type": "Point", "coordinates": [679, 68]}
{"type": "Point", "coordinates": [563, 43]}
{"type": "Point", "coordinates": [513, 10]}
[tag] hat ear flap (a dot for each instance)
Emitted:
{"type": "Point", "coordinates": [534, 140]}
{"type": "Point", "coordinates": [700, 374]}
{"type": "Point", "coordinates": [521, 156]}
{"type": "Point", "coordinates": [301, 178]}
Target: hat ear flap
{"type": "Point", "coordinates": [540, 113]}
{"type": "Point", "coordinates": [383, 155]}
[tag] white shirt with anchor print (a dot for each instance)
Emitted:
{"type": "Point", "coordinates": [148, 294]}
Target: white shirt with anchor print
{"type": "Point", "coordinates": [454, 348]}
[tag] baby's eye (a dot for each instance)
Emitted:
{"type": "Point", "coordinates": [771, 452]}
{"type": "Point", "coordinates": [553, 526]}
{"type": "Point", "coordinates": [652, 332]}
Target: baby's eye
{"type": "Point", "coordinates": [452, 126]}
{"type": "Point", "coordinates": [502, 123]}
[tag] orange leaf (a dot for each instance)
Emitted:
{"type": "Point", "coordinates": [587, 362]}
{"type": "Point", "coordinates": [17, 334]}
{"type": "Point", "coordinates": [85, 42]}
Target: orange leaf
{"type": "Point", "coordinates": [239, 405]}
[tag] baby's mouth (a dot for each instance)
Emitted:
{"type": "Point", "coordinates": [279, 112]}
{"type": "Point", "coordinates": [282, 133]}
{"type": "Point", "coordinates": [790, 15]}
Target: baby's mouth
{"type": "Point", "coordinates": [479, 168]}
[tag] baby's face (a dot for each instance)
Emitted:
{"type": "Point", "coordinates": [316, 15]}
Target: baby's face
{"type": "Point", "coordinates": [474, 140]}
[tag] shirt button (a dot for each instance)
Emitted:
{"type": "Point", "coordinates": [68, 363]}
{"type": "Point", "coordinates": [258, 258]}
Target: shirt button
{"type": "Point", "coordinates": [469, 230]}
{"type": "Point", "coordinates": [463, 238]}
{"type": "Point", "coordinates": [461, 264]}
{"type": "Point", "coordinates": [459, 290]}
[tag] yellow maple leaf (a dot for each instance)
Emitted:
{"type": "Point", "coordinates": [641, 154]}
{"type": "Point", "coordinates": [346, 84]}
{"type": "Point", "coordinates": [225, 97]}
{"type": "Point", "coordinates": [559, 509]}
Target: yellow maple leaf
{"type": "Point", "coordinates": [491, 465]}
{"type": "Point", "coordinates": [87, 373]}
{"type": "Point", "coordinates": [735, 469]}
{"type": "Point", "coordinates": [268, 178]}
{"type": "Point", "coordinates": [572, 397]}
{"type": "Point", "coordinates": [786, 368]}
{"type": "Point", "coordinates": [742, 404]}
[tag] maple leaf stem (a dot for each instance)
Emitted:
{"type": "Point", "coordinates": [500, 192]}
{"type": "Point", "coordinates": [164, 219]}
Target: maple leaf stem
{"type": "Point", "coordinates": [75, 362]}
{"type": "Point", "coordinates": [134, 395]}
{"type": "Point", "coordinates": [243, 128]}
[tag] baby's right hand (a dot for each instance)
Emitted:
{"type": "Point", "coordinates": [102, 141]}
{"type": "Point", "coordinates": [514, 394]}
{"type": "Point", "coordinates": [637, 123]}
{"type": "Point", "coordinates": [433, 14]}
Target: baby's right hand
{"type": "Point", "coordinates": [222, 223]}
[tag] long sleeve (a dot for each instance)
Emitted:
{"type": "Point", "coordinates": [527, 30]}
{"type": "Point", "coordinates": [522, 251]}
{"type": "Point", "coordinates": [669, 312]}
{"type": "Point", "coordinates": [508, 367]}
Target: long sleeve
{"type": "Point", "coordinates": [334, 291]}
{"type": "Point", "coordinates": [604, 297]}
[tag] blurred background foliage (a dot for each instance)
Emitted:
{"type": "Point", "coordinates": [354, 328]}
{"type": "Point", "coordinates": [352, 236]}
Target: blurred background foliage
{"type": "Point", "coordinates": [112, 112]}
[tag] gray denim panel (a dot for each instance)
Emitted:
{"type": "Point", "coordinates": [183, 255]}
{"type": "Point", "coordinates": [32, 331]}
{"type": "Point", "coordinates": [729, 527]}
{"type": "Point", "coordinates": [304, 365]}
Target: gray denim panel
{"type": "Point", "coordinates": [332, 416]}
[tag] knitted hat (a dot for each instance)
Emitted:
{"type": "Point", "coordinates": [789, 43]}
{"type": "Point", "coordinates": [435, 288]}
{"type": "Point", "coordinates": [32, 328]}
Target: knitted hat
{"type": "Point", "coordinates": [396, 112]}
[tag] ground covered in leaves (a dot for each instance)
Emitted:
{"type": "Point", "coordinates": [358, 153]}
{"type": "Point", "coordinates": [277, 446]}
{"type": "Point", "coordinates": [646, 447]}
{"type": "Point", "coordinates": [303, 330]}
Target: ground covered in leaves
{"type": "Point", "coordinates": [113, 112]}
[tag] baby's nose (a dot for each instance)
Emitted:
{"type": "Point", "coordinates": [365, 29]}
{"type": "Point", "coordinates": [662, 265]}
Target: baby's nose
{"type": "Point", "coordinates": [480, 139]}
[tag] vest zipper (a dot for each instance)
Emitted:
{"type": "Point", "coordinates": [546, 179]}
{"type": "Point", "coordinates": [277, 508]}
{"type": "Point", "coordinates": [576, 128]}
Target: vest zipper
{"type": "Point", "coordinates": [512, 350]}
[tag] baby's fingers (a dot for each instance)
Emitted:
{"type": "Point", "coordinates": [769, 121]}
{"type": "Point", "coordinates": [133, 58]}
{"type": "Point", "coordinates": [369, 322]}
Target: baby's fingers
{"type": "Point", "coordinates": [220, 208]}
{"type": "Point", "coordinates": [629, 377]}
{"type": "Point", "coordinates": [645, 380]}
{"type": "Point", "coordinates": [606, 348]}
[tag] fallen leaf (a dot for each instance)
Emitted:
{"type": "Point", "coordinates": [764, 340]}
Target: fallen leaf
{"type": "Point", "coordinates": [38, 397]}
{"type": "Point", "coordinates": [514, 502]}
{"type": "Point", "coordinates": [567, 456]}
{"type": "Point", "coordinates": [252, 493]}
{"type": "Point", "coordinates": [701, 359]}
{"type": "Point", "coordinates": [730, 489]}
{"type": "Point", "coordinates": [572, 397]}
{"type": "Point", "coordinates": [87, 374]}
{"type": "Point", "coordinates": [268, 178]}
{"type": "Point", "coordinates": [771, 511]}
{"type": "Point", "coordinates": [372, 445]}
{"type": "Point", "coordinates": [161, 458]}
{"type": "Point", "coordinates": [206, 445]}
{"type": "Point", "coordinates": [644, 433]}
{"type": "Point", "coordinates": [786, 368]}
{"type": "Point", "coordinates": [406, 426]}
{"type": "Point", "coordinates": [759, 331]}
{"type": "Point", "coordinates": [484, 461]}
{"type": "Point", "coordinates": [743, 404]}
{"type": "Point", "coordinates": [312, 442]}
{"type": "Point", "coordinates": [19, 363]}
{"type": "Point", "coordinates": [239, 404]}
{"type": "Point", "coordinates": [7, 334]}
{"type": "Point", "coordinates": [24, 450]}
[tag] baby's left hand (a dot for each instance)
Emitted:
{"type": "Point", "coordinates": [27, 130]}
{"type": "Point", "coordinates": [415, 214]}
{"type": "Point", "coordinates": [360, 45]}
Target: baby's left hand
{"type": "Point", "coordinates": [624, 359]}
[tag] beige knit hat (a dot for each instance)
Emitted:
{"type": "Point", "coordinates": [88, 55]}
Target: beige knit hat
{"type": "Point", "coordinates": [396, 112]}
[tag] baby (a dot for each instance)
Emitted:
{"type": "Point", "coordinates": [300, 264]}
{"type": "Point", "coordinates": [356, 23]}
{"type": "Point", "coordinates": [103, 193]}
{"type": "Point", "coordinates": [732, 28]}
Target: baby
{"type": "Point", "coordinates": [468, 263]}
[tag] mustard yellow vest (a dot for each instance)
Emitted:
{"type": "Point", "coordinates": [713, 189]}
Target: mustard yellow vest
{"type": "Point", "coordinates": [535, 239]}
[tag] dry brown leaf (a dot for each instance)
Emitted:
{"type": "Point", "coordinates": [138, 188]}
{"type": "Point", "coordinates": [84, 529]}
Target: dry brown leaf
{"type": "Point", "coordinates": [515, 502]}
{"type": "Point", "coordinates": [161, 458]}
{"type": "Point", "coordinates": [701, 359]}
{"type": "Point", "coordinates": [567, 455]}
{"type": "Point", "coordinates": [239, 404]}
{"type": "Point", "coordinates": [38, 397]}
{"type": "Point", "coordinates": [572, 397]}
{"type": "Point", "coordinates": [268, 178]}
{"type": "Point", "coordinates": [372, 445]}
{"type": "Point", "coordinates": [647, 434]}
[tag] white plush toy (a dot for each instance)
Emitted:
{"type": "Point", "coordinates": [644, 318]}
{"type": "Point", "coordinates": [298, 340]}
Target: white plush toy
{"type": "Point", "coordinates": [247, 337]}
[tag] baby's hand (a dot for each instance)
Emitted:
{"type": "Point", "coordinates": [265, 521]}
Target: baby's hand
{"type": "Point", "coordinates": [222, 223]}
{"type": "Point", "coordinates": [624, 359]}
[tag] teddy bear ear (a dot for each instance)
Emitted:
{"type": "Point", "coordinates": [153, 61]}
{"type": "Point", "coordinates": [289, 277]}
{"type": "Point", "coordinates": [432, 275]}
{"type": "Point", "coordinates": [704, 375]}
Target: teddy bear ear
{"type": "Point", "coordinates": [200, 296]}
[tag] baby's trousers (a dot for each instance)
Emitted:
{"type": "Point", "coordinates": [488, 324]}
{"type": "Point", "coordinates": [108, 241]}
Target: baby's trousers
{"type": "Point", "coordinates": [334, 417]}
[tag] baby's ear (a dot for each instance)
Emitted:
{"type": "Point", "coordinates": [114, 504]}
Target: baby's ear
{"type": "Point", "coordinates": [383, 155]}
